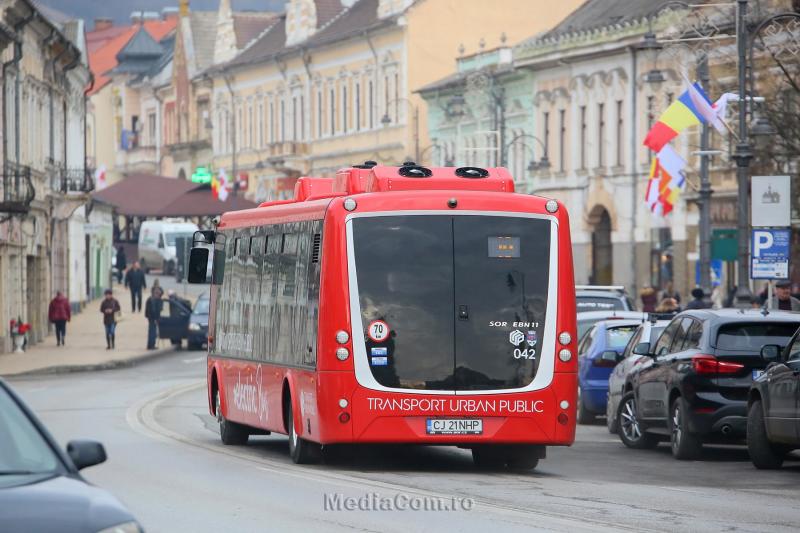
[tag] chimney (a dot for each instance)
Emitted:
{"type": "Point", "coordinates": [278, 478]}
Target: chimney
{"type": "Point", "coordinates": [102, 24]}
{"type": "Point", "coordinates": [169, 13]}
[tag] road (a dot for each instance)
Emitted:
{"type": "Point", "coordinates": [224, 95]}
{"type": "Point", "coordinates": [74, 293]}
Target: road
{"type": "Point", "coordinates": [167, 464]}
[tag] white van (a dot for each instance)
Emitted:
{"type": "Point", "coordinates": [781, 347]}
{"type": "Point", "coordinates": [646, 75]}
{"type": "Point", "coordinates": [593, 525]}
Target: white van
{"type": "Point", "coordinates": [157, 242]}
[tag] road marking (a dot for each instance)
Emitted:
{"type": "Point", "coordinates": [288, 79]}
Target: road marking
{"type": "Point", "coordinates": [141, 417]}
{"type": "Point", "coordinates": [195, 359]}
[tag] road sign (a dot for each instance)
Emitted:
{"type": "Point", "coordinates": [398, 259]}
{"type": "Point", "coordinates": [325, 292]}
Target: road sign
{"type": "Point", "coordinates": [771, 201]}
{"type": "Point", "coordinates": [716, 272]}
{"type": "Point", "coordinates": [770, 254]}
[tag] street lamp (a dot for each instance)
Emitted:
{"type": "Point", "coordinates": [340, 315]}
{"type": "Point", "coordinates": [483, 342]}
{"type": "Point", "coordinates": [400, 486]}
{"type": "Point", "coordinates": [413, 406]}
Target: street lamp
{"type": "Point", "coordinates": [386, 120]}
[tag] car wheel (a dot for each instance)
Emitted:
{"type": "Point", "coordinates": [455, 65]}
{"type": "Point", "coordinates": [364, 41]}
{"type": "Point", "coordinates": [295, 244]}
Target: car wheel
{"type": "Point", "coordinates": [300, 450]}
{"type": "Point", "coordinates": [763, 453]}
{"type": "Point", "coordinates": [612, 421]}
{"type": "Point", "coordinates": [629, 429]}
{"type": "Point", "coordinates": [231, 433]}
{"type": "Point", "coordinates": [584, 415]}
{"type": "Point", "coordinates": [684, 444]}
{"type": "Point", "coordinates": [488, 457]}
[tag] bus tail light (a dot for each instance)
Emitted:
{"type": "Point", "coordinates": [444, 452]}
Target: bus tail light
{"type": "Point", "coordinates": [564, 338]}
{"type": "Point", "coordinates": [710, 365]}
{"type": "Point", "coordinates": [344, 418]}
{"type": "Point", "coordinates": [342, 336]}
{"type": "Point", "coordinates": [342, 354]}
{"type": "Point", "coordinates": [565, 355]}
{"type": "Point", "coordinates": [562, 419]}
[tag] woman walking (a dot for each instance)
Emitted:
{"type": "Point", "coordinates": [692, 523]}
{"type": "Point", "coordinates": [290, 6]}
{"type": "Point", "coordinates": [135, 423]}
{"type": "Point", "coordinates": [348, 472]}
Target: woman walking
{"type": "Point", "coordinates": [110, 307]}
{"type": "Point", "coordinates": [59, 314]}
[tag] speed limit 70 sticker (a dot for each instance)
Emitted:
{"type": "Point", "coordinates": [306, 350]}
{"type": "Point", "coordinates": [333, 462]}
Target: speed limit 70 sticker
{"type": "Point", "coordinates": [378, 330]}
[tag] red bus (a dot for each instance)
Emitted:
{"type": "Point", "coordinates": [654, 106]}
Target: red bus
{"type": "Point", "coordinates": [395, 305]}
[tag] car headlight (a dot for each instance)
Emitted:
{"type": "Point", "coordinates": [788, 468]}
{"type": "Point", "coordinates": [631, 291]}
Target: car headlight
{"type": "Point", "coordinates": [194, 326]}
{"type": "Point", "coordinates": [127, 527]}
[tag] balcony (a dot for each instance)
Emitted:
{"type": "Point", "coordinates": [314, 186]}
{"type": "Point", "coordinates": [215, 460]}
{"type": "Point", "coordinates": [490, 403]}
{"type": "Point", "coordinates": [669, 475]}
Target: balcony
{"type": "Point", "coordinates": [137, 159]}
{"type": "Point", "coordinates": [16, 190]}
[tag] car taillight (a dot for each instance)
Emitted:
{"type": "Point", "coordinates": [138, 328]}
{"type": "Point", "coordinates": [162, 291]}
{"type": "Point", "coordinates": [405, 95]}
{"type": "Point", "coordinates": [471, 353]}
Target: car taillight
{"type": "Point", "coordinates": [708, 364]}
{"type": "Point", "coordinates": [603, 363]}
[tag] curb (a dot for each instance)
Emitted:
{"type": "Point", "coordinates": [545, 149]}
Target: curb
{"type": "Point", "coordinates": [106, 365]}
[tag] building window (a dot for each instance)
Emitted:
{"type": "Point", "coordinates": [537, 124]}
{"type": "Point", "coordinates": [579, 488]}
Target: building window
{"type": "Point", "coordinates": [620, 126]}
{"type": "Point", "coordinates": [240, 124]}
{"type": "Point", "coordinates": [583, 137]}
{"type": "Point", "coordinates": [302, 118]}
{"type": "Point", "coordinates": [294, 118]}
{"type": "Point", "coordinates": [358, 106]}
{"type": "Point", "coordinates": [250, 127]}
{"type": "Point", "coordinates": [272, 122]}
{"type": "Point", "coordinates": [397, 98]}
{"type": "Point", "coordinates": [650, 119]}
{"type": "Point", "coordinates": [319, 113]}
{"type": "Point", "coordinates": [601, 134]}
{"type": "Point", "coordinates": [371, 105]}
{"type": "Point", "coordinates": [283, 120]}
{"type": "Point", "coordinates": [261, 124]}
{"type": "Point", "coordinates": [546, 121]}
{"type": "Point", "coordinates": [345, 108]}
{"type": "Point", "coordinates": [332, 126]}
{"type": "Point", "coordinates": [386, 94]}
{"type": "Point", "coordinates": [562, 138]}
{"type": "Point", "coordinates": [151, 129]}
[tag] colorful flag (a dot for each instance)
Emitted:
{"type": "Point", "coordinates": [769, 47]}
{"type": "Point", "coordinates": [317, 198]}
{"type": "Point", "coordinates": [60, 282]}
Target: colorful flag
{"type": "Point", "coordinates": [721, 109]}
{"type": "Point", "coordinates": [681, 114]}
{"type": "Point", "coordinates": [666, 181]}
{"type": "Point", "coordinates": [222, 190]}
{"type": "Point", "coordinates": [214, 186]}
{"type": "Point", "coordinates": [703, 106]}
{"type": "Point", "coordinates": [100, 178]}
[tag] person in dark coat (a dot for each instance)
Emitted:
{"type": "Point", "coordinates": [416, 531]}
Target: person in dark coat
{"type": "Point", "coordinates": [649, 299]}
{"type": "Point", "coordinates": [152, 312]}
{"type": "Point", "coordinates": [178, 308]}
{"type": "Point", "coordinates": [121, 263]}
{"type": "Point", "coordinates": [136, 282]}
{"type": "Point", "coordinates": [110, 307]}
{"type": "Point", "coordinates": [59, 314]}
{"type": "Point", "coordinates": [697, 301]}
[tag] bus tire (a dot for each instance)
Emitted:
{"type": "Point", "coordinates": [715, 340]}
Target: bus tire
{"type": "Point", "coordinates": [301, 451]}
{"type": "Point", "coordinates": [488, 457]}
{"type": "Point", "coordinates": [523, 457]}
{"type": "Point", "coordinates": [231, 433]}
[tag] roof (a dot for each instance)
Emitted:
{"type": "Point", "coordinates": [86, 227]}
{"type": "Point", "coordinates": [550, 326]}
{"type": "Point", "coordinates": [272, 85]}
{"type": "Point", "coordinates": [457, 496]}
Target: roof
{"type": "Point", "coordinates": [248, 26]}
{"type": "Point", "coordinates": [600, 13]}
{"type": "Point", "coordinates": [204, 34]}
{"type": "Point", "coordinates": [104, 45]}
{"type": "Point", "coordinates": [360, 17]}
{"type": "Point", "coordinates": [158, 196]}
{"type": "Point", "coordinates": [141, 45]}
{"type": "Point", "coordinates": [458, 78]}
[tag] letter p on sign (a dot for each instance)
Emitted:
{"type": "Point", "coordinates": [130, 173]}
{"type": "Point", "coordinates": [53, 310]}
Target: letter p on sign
{"type": "Point", "coordinates": [763, 241]}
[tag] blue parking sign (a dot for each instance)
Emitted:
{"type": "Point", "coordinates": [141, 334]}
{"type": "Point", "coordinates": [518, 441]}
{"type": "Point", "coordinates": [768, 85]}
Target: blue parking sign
{"type": "Point", "coordinates": [769, 252]}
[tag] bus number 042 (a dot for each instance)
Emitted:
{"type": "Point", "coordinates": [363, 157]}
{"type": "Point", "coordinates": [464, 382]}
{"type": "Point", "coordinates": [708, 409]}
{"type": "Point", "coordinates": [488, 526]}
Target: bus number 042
{"type": "Point", "coordinates": [527, 353]}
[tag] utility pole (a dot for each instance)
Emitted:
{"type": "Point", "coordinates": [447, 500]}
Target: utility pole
{"type": "Point", "coordinates": [705, 190]}
{"type": "Point", "coordinates": [234, 175]}
{"type": "Point", "coordinates": [743, 155]}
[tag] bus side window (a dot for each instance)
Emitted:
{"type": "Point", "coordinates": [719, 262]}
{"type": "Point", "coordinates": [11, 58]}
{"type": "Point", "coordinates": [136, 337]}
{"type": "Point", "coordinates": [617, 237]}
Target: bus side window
{"type": "Point", "coordinates": [218, 271]}
{"type": "Point", "coordinates": [269, 283]}
{"type": "Point", "coordinates": [312, 311]}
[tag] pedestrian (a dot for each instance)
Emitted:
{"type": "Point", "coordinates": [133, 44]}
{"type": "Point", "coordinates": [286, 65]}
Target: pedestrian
{"type": "Point", "coordinates": [783, 297]}
{"type": "Point", "coordinates": [135, 281]}
{"type": "Point", "coordinates": [697, 301]}
{"type": "Point", "coordinates": [178, 308]}
{"type": "Point", "coordinates": [649, 299]}
{"type": "Point", "coordinates": [730, 301]}
{"type": "Point", "coordinates": [110, 309]}
{"type": "Point", "coordinates": [152, 312]}
{"type": "Point", "coordinates": [59, 314]}
{"type": "Point", "coordinates": [121, 263]}
{"type": "Point", "coordinates": [668, 306]}
{"type": "Point", "coordinates": [670, 292]}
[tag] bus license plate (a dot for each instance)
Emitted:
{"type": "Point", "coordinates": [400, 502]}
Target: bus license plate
{"type": "Point", "coordinates": [454, 426]}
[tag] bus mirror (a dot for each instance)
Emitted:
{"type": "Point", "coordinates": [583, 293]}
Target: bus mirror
{"type": "Point", "coordinates": [198, 265]}
{"type": "Point", "coordinates": [203, 237]}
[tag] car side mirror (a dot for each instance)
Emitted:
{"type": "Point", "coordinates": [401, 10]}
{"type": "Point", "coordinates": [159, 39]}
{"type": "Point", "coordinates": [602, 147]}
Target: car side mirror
{"type": "Point", "coordinates": [771, 353]}
{"type": "Point", "coordinates": [643, 348]}
{"type": "Point", "coordinates": [198, 265]}
{"type": "Point", "coordinates": [611, 356]}
{"type": "Point", "coordinates": [86, 453]}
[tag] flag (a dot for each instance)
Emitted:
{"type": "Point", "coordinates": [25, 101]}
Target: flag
{"type": "Point", "coordinates": [222, 189]}
{"type": "Point", "coordinates": [681, 114]}
{"type": "Point", "coordinates": [666, 181]}
{"type": "Point", "coordinates": [721, 108]}
{"type": "Point", "coordinates": [100, 178]}
{"type": "Point", "coordinates": [214, 186]}
{"type": "Point", "coordinates": [703, 106]}
{"type": "Point", "coordinates": [673, 164]}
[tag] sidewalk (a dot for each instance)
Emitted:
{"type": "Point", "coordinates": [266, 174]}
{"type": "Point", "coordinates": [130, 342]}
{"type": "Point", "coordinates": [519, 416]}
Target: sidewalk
{"type": "Point", "coordinates": [85, 346]}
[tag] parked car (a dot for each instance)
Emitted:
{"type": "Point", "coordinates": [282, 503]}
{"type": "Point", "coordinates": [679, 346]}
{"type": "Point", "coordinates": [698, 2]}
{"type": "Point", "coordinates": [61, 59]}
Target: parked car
{"type": "Point", "coordinates": [40, 487]}
{"type": "Point", "coordinates": [157, 243]}
{"type": "Point", "coordinates": [635, 352]}
{"type": "Point", "coordinates": [694, 385]}
{"type": "Point", "coordinates": [602, 298]}
{"type": "Point", "coordinates": [197, 335]}
{"type": "Point", "coordinates": [598, 353]}
{"type": "Point", "coordinates": [587, 319]}
{"type": "Point", "coordinates": [773, 412]}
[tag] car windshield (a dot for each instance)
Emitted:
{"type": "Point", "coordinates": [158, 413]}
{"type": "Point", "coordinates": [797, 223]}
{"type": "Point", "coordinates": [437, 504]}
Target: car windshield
{"type": "Point", "coordinates": [618, 337]}
{"type": "Point", "coordinates": [598, 303]}
{"type": "Point", "coordinates": [752, 336]}
{"type": "Point", "coordinates": [23, 450]}
{"type": "Point", "coordinates": [201, 307]}
{"type": "Point", "coordinates": [170, 237]}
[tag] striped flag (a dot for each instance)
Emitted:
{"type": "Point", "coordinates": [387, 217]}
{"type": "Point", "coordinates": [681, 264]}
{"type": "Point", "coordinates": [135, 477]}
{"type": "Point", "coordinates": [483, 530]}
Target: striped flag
{"type": "Point", "coordinates": [666, 182]}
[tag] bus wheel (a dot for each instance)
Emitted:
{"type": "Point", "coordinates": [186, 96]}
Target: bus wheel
{"type": "Point", "coordinates": [301, 451]}
{"type": "Point", "coordinates": [523, 457]}
{"type": "Point", "coordinates": [488, 457]}
{"type": "Point", "coordinates": [231, 433]}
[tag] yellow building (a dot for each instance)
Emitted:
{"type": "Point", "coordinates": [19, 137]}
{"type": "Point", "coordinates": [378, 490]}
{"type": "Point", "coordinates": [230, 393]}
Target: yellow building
{"type": "Point", "coordinates": [331, 83]}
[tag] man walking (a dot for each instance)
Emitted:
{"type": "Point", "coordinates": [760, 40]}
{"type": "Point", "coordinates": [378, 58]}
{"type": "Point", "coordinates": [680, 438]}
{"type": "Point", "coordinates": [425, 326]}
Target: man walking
{"type": "Point", "coordinates": [135, 281]}
{"type": "Point", "coordinates": [59, 314]}
{"type": "Point", "coordinates": [152, 312]}
{"type": "Point", "coordinates": [121, 263]}
{"type": "Point", "coordinates": [110, 307]}
{"type": "Point", "coordinates": [783, 297]}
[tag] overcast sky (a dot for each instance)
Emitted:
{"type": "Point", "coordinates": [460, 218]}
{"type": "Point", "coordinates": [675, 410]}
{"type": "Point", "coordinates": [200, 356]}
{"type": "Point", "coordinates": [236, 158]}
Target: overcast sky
{"type": "Point", "coordinates": [120, 10]}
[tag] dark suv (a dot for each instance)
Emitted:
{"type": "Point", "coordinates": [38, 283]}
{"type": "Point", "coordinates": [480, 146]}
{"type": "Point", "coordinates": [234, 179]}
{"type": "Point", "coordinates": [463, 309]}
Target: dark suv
{"type": "Point", "coordinates": [773, 415]}
{"type": "Point", "coordinates": [693, 387]}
